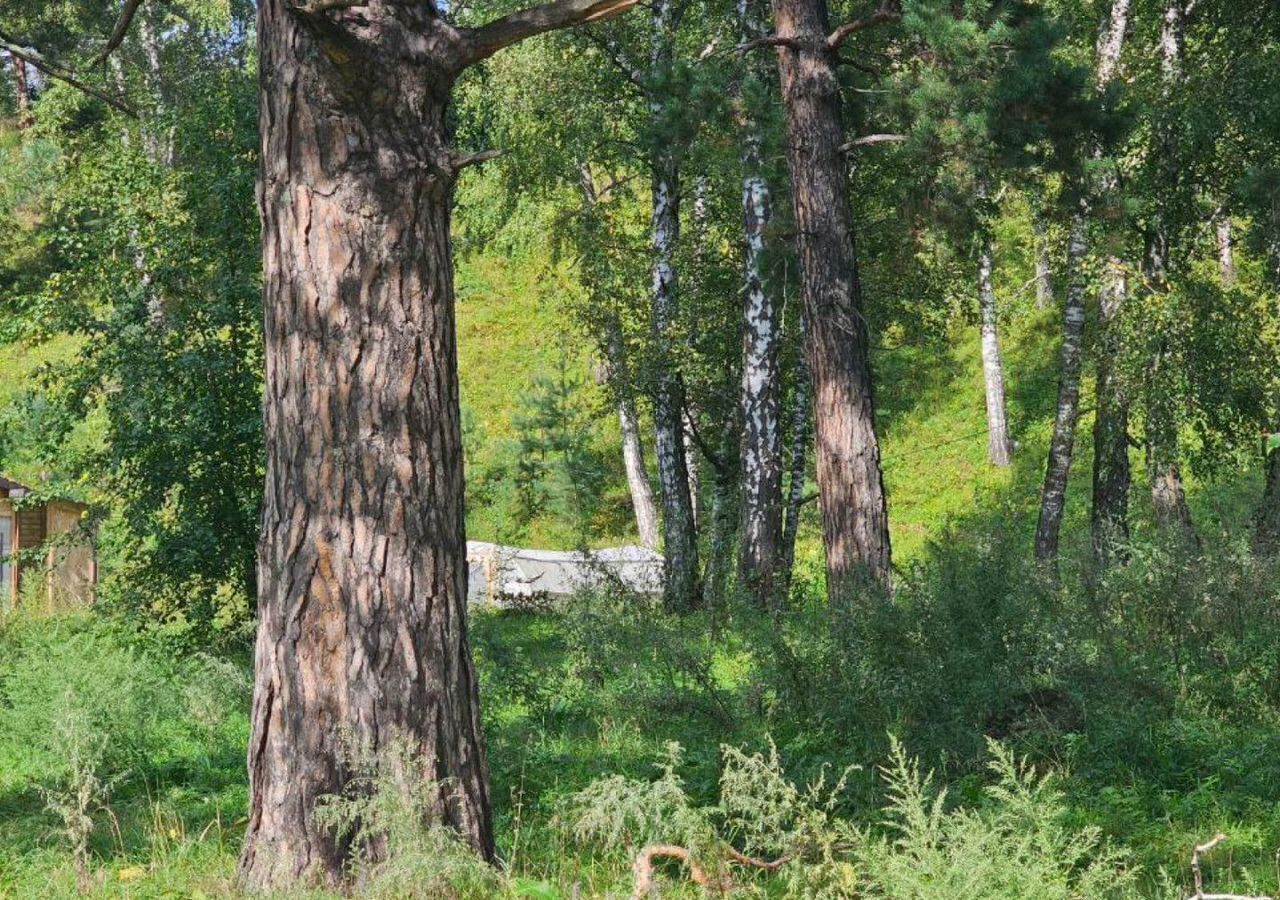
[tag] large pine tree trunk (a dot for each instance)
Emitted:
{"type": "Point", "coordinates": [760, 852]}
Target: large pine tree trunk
{"type": "Point", "coordinates": [762, 333]}
{"type": "Point", "coordinates": [1054, 494]}
{"type": "Point", "coordinates": [362, 632]}
{"type": "Point", "coordinates": [362, 560]}
{"type": "Point", "coordinates": [855, 518]}
{"type": "Point", "coordinates": [999, 445]}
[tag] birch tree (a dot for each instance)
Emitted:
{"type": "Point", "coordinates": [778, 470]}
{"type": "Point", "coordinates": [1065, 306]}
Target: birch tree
{"type": "Point", "coordinates": [1067, 410]}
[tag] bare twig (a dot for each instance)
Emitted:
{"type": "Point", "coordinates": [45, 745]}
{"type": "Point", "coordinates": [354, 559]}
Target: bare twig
{"type": "Point", "coordinates": [1198, 876]}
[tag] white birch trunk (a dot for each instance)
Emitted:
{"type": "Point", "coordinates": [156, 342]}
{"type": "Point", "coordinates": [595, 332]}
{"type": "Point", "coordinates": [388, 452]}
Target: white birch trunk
{"type": "Point", "coordinates": [1226, 249]}
{"type": "Point", "coordinates": [761, 329]}
{"type": "Point", "coordinates": [680, 546]}
{"type": "Point", "coordinates": [1054, 494]}
{"type": "Point", "coordinates": [999, 446]}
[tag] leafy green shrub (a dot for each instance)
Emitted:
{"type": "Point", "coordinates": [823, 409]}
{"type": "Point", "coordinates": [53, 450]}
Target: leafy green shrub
{"type": "Point", "coordinates": [388, 816]}
{"type": "Point", "coordinates": [78, 686]}
{"type": "Point", "coordinates": [769, 836]}
{"type": "Point", "coordinates": [1014, 846]}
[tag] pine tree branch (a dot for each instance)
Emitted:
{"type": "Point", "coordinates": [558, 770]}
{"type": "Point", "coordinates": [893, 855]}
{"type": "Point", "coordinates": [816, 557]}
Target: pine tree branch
{"type": "Point", "coordinates": [118, 33]}
{"type": "Point", "coordinates": [481, 43]}
{"type": "Point", "coordinates": [889, 11]}
{"type": "Point", "coordinates": [67, 76]}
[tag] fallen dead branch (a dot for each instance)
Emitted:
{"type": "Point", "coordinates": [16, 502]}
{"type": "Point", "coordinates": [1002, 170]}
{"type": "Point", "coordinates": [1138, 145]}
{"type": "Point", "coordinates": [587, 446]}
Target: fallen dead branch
{"type": "Point", "coordinates": [643, 866]}
{"type": "Point", "coordinates": [1197, 874]}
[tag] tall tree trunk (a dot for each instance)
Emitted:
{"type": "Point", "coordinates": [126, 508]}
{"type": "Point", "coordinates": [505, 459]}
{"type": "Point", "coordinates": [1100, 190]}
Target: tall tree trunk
{"type": "Point", "coordinates": [855, 517]}
{"type": "Point", "coordinates": [21, 91]}
{"type": "Point", "coordinates": [1267, 535]}
{"type": "Point", "coordinates": [1226, 249]}
{"type": "Point", "coordinates": [362, 558]}
{"type": "Point", "coordinates": [642, 502]}
{"type": "Point", "coordinates": [999, 445]}
{"type": "Point", "coordinates": [692, 461]}
{"type": "Point", "coordinates": [724, 518]}
{"type": "Point", "coordinates": [1053, 496]}
{"type": "Point", "coordinates": [1044, 268]}
{"type": "Point", "coordinates": [1163, 471]}
{"type": "Point", "coordinates": [1109, 514]}
{"type": "Point", "coordinates": [800, 434]}
{"type": "Point", "coordinates": [1111, 476]}
{"type": "Point", "coordinates": [761, 328]}
{"type": "Point", "coordinates": [679, 530]}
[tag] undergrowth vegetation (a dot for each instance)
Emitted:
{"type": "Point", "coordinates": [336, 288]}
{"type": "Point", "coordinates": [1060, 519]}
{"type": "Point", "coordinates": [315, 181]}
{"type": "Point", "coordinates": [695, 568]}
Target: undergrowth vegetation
{"type": "Point", "coordinates": [992, 733]}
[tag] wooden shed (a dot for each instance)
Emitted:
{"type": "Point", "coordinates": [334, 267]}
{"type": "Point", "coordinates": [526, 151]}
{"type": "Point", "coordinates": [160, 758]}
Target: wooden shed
{"type": "Point", "coordinates": [45, 541]}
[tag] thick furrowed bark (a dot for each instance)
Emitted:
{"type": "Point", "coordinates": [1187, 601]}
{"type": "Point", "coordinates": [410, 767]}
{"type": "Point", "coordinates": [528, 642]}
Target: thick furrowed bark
{"type": "Point", "coordinates": [855, 520]}
{"type": "Point", "coordinates": [1053, 497]}
{"type": "Point", "coordinates": [761, 328]}
{"type": "Point", "coordinates": [999, 445]}
{"type": "Point", "coordinates": [362, 569]}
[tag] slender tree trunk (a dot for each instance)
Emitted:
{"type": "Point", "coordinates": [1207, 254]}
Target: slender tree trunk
{"type": "Point", "coordinates": [1109, 515]}
{"type": "Point", "coordinates": [1044, 268]}
{"type": "Point", "coordinates": [855, 518]}
{"type": "Point", "coordinates": [1226, 249]}
{"type": "Point", "coordinates": [1054, 494]}
{"type": "Point", "coordinates": [761, 328]}
{"type": "Point", "coordinates": [1163, 472]}
{"type": "Point", "coordinates": [999, 445]}
{"type": "Point", "coordinates": [21, 91]}
{"type": "Point", "coordinates": [692, 462]}
{"type": "Point", "coordinates": [642, 502]}
{"type": "Point", "coordinates": [800, 434]}
{"type": "Point", "coordinates": [724, 518]}
{"type": "Point", "coordinates": [362, 572]}
{"type": "Point", "coordinates": [1267, 535]}
{"type": "Point", "coordinates": [1111, 475]}
{"type": "Point", "coordinates": [679, 530]}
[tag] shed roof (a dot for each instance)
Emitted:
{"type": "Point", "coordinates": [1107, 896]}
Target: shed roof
{"type": "Point", "coordinates": [8, 486]}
